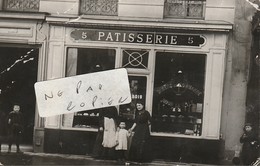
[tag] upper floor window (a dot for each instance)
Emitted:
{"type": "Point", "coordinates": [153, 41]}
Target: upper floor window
{"type": "Point", "coordinates": [184, 8]}
{"type": "Point", "coordinates": [22, 5]}
{"type": "Point", "coordinates": [99, 7]}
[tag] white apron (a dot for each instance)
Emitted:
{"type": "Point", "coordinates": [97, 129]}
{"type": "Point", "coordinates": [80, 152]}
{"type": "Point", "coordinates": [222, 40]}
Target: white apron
{"type": "Point", "coordinates": [109, 137]}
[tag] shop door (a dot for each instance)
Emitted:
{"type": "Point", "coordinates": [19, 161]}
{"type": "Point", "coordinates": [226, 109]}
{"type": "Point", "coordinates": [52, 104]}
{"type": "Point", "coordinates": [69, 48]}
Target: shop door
{"type": "Point", "coordinates": [18, 73]}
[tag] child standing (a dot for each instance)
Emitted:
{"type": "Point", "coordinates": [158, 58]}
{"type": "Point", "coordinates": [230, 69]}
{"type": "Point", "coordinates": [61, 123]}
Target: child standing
{"type": "Point", "coordinates": [15, 127]}
{"type": "Point", "coordinates": [250, 145]}
{"type": "Point", "coordinates": [122, 141]}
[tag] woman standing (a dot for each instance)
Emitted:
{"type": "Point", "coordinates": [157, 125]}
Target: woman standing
{"type": "Point", "coordinates": [106, 139]}
{"type": "Point", "coordinates": [141, 133]}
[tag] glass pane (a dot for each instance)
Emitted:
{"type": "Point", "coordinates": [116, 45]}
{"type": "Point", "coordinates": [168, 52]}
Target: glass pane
{"type": "Point", "coordinates": [138, 92]}
{"type": "Point", "coordinates": [135, 59]}
{"type": "Point", "coordinates": [83, 61]}
{"type": "Point", "coordinates": [178, 93]}
{"type": "Point", "coordinates": [91, 60]}
{"type": "Point", "coordinates": [195, 9]}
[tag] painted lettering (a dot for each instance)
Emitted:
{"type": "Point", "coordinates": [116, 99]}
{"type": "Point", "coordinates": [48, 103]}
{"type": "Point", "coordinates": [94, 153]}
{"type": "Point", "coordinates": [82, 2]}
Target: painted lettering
{"type": "Point", "coordinates": [131, 37]}
{"type": "Point", "coordinates": [100, 35]}
{"type": "Point", "coordinates": [124, 37]}
{"type": "Point", "coordinates": [140, 38]}
{"type": "Point", "coordinates": [84, 35]}
{"type": "Point", "coordinates": [158, 39]}
{"type": "Point", "coordinates": [149, 38]}
{"type": "Point", "coordinates": [109, 37]}
{"type": "Point", "coordinates": [117, 36]}
{"type": "Point", "coordinates": [173, 40]}
{"type": "Point", "coordinates": [166, 39]}
{"type": "Point", "coordinates": [190, 40]}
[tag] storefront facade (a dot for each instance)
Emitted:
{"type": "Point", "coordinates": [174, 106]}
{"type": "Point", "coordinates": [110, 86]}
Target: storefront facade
{"type": "Point", "coordinates": [178, 73]}
{"type": "Point", "coordinates": [189, 66]}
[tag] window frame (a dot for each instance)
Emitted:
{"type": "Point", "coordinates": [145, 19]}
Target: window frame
{"type": "Point", "coordinates": [186, 7]}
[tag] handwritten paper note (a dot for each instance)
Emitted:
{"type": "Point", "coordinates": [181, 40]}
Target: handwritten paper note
{"type": "Point", "coordinates": [82, 92]}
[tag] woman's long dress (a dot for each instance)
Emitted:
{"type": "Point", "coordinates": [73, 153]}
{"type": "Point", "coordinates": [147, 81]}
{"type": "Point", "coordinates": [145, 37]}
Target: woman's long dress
{"type": "Point", "coordinates": [138, 149]}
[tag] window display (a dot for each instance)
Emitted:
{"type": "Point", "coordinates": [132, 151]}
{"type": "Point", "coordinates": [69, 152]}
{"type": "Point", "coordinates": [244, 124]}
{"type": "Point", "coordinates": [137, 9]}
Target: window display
{"type": "Point", "coordinates": [83, 61]}
{"type": "Point", "coordinates": [178, 93]}
{"type": "Point", "coordinates": [178, 97]}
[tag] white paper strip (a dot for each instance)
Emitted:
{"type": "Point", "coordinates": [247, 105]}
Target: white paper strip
{"type": "Point", "coordinates": [82, 92]}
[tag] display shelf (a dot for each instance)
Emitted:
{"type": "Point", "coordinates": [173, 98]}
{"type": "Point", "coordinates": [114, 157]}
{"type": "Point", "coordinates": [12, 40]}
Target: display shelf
{"type": "Point", "coordinates": [83, 121]}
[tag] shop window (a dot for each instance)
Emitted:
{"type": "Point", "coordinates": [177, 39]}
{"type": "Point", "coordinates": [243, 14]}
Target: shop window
{"type": "Point", "coordinates": [135, 59]}
{"type": "Point", "coordinates": [83, 61]}
{"type": "Point", "coordinates": [22, 5]}
{"type": "Point", "coordinates": [178, 93]}
{"type": "Point", "coordinates": [138, 92]}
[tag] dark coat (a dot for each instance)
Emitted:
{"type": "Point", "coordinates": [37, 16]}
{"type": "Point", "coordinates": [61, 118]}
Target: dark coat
{"type": "Point", "coordinates": [249, 148]}
{"type": "Point", "coordinates": [15, 122]}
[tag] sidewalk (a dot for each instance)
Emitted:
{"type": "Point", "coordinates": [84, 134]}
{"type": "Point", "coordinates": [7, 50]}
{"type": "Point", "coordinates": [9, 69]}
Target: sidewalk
{"type": "Point", "coordinates": [28, 157]}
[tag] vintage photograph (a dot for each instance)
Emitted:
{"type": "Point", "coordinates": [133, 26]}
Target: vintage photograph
{"type": "Point", "coordinates": [130, 82]}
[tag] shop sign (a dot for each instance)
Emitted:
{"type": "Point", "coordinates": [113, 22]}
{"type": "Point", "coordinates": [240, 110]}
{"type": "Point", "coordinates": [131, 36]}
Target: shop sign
{"type": "Point", "coordinates": [138, 37]}
{"type": "Point", "coordinates": [83, 92]}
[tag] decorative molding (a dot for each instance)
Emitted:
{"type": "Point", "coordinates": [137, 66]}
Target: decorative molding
{"type": "Point", "coordinates": [167, 24]}
{"type": "Point", "coordinates": [41, 31]}
{"type": "Point", "coordinates": [16, 31]}
{"type": "Point", "coordinates": [22, 15]}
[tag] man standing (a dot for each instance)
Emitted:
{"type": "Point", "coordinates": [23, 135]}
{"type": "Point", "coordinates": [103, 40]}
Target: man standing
{"type": "Point", "coordinates": [15, 127]}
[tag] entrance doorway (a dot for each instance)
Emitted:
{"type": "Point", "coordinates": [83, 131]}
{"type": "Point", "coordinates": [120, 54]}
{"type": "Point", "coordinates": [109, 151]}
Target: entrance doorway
{"type": "Point", "coordinates": [18, 73]}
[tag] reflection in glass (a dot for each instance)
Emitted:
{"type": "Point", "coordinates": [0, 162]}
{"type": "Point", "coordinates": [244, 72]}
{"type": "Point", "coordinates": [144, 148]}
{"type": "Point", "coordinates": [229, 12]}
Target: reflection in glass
{"type": "Point", "coordinates": [138, 92]}
{"type": "Point", "coordinates": [178, 93]}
